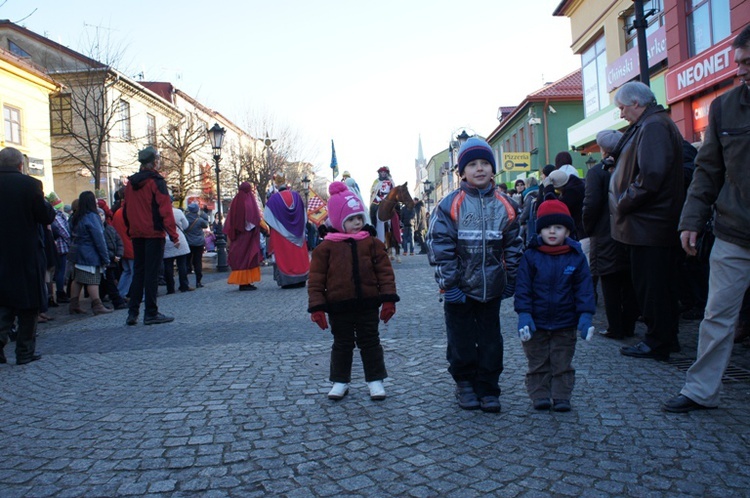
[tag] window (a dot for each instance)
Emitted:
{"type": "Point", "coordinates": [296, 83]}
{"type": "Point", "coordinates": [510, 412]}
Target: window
{"type": "Point", "coordinates": [17, 51]}
{"type": "Point", "coordinates": [151, 129]}
{"type": "Point", "coordinates": [12, 118]}
{"type": "Point", "coordinates": [60, 114]}
{"type": "Point", "coordinates": [708, 24]}
{"type": "Point", "coordinates": [655, 22]}
{"type": "Point", "coordinates": [507, 145]}
{"type": "Point", "coordinates": [594, 64]}
{"type": "Point", "coordinates": [125, 120]}
{"type": "Point", "coordinates": [515, 142]}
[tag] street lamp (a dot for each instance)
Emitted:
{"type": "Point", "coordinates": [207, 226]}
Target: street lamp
{"type": "Point", "coordinates": [216, 136]}
{"type": "Point", "coordinates": [428, 189]}
{"type": "Point", "coordinates": [306, 188]}
{"type": "Point", "coordinates": [590, 162]}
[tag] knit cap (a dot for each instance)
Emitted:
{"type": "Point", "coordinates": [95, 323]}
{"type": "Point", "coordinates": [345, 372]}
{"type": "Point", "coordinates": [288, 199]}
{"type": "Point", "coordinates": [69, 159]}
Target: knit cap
{"type": "Point", "coordinates": [342, 205]}
{"type": "Point", "coordinates": [475, 148]}
{"type": "Point", "coordinates": [193, 207]}
{"type": "Point", "coordinates": [147, 155]}
{"type": "Point", "coordinates": [554, 212]}
{"type": "Point", "coordinates": [56, 202]}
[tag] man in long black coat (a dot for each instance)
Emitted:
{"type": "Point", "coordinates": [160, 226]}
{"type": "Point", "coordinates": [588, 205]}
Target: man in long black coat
{"type": "Point", "coordinates": [20, 267]}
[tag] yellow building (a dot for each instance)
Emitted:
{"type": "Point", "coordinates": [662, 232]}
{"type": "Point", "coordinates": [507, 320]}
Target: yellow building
{"type": "Point", "coordinates": [24, 96]}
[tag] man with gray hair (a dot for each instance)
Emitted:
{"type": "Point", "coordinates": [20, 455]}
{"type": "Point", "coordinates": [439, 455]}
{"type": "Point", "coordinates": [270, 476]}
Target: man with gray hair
{"type": "Point", "coordinates": [21, 271]}
{"type": "Point", "coordinates": [645, 194]}
{"type": "Point", "coordinates": [720, 182]}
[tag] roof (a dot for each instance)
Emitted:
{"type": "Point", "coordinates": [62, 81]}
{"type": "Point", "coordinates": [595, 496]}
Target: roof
{"type": "Point", "coordinates": [561, 8]}
{"type": "Point", "coordinates": [26, 65]}
{"type": "Point", "coordinates": [568, 88]}
{"type": "Point", "coordinates": [5, 23]}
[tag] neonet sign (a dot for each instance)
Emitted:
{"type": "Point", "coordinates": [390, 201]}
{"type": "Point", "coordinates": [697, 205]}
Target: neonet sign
{"type": "Point", "coordinates": [700, 72]}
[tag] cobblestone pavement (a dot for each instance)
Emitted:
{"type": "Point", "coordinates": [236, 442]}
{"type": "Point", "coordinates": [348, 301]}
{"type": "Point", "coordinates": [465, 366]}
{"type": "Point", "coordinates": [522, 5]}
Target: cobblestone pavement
{"type": "Point", "coordinates": [230, 400]}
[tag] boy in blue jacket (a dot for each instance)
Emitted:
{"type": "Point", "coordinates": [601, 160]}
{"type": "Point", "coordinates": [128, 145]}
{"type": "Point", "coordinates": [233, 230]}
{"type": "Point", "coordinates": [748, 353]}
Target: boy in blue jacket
{"type": "Point", "coordinates": [554, 298]}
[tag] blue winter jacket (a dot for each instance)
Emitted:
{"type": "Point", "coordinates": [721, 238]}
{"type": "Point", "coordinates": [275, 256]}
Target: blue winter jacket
{"type": "Point", "coordinates": [89, 240]}
{"type": "Point", "coordinates": [554, 289]}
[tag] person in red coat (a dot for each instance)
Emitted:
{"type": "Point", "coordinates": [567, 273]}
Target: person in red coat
{"type": "Point", "coordinates": [242, 228]}
{"type": "Point", "coordinates": [147, 211]}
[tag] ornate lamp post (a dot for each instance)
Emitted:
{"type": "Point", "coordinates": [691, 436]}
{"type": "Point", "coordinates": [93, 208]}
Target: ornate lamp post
{"type": "Point", "coordinates": [428, 189]}
{"type": "Point", "coordinates": [590, 162]}
{"type": "Point", "coordinates": [216, 136]}
{"type": "Point", "coordinates": [306, 188]}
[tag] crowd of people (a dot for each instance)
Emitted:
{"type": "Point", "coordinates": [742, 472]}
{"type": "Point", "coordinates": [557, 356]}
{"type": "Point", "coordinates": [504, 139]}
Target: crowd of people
{"type": "Point", "coordinates": [660, 225]}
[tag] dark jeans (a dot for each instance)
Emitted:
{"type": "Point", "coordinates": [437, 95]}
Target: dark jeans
{"type": "Point", "coordinates": [620, 303]}
{"type": "Point", "coordinates": [475, 345]}
{"type": "Point", "coordinates": [196, 262]}
{"type": "Point", "coordinates": [27, 321]}
{"type": "Point", "coordinates": [108, 286]}
{"type": "Point", "coordinates": [59, 279]}
{"type": "Point", "coordinates": [148, 256]}
{"type": "Point", "coordinates": [551, 373]}
{"type": "Point", "coordinates": [654, 271]}
{"type": "Point", "coordinates": [181, 272]}
{"type": "Point", "coordinates": [360, 328]}
{"type": "Point", "coordinates": [407, 237]}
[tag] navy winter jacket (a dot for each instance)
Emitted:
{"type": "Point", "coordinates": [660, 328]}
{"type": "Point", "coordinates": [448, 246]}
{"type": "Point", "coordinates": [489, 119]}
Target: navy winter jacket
{"type": "Point", "coordinates": [554, 289]}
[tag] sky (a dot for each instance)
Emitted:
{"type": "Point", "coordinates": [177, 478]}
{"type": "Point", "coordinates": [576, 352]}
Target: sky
{"type": "Point", "coordinates": [372, 76]}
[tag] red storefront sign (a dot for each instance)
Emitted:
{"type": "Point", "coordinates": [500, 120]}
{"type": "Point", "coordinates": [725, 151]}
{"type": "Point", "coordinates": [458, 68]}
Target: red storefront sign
{"type": "Point", "coordinates": [627, 66]}
{"type": "Point", "coordinates": [700, 72]}
{"type": "Point", "coordinates": [700, 110]}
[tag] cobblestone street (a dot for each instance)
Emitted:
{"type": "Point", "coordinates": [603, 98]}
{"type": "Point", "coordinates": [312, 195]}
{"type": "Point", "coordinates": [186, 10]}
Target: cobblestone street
{"type": "Point", "coordinates": [230, 400]}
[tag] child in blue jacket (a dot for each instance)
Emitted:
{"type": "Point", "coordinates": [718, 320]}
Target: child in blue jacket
{"type": "Point", "coordinates": [554, 298]}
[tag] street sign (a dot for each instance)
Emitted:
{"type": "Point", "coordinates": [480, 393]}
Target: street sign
{"type": "Point", "coordinates": [517, 161]}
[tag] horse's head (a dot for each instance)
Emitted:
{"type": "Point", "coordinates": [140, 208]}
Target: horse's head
{"type": "Point", "coordinates": [403, 195]}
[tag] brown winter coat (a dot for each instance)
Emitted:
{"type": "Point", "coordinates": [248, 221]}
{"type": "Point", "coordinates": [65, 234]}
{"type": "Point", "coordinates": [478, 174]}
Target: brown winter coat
{"type": "Point", "coordinates": [646, 189]}
{"type": "Point", "coordinates": [350, 275]}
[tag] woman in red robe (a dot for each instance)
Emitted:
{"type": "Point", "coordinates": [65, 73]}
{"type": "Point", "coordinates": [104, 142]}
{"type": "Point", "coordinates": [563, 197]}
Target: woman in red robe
{"type": "Point", "coordinates": [242, 228]}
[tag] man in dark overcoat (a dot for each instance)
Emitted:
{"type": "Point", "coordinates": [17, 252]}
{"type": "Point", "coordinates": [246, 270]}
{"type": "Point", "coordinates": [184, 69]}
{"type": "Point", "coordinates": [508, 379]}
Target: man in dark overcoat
{"type": "Point", "coordinates": [20, 268]}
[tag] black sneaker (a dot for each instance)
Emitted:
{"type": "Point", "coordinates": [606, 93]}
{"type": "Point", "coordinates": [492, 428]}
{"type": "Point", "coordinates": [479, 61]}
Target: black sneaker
{"type": "Point", "coordinates": [465, 396]}
{"type": "Point", "coordinates": [489, 404]}
{"type": "Point", "coordinates": [561, 405]}
{"type": "Point", "coordinates": [157, 319]}
{"type": "Point", "coordinates": [132, 319]}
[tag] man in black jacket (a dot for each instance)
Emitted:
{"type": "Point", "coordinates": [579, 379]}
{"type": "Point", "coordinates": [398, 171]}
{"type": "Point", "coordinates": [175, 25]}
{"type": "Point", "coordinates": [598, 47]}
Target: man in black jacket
{"type": "Point", "coordinates": [645, 194]}
{"type": "Point", "coordinates": [21, 271]}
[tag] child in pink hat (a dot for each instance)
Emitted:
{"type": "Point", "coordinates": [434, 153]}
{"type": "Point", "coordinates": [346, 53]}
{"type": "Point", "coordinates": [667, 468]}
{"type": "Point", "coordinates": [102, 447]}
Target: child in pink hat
{"type": "Point", "coordinates": [350, 278]}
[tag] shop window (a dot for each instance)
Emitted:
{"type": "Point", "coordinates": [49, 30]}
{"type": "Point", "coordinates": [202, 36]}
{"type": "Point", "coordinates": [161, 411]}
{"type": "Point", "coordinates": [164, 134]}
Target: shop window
{"type": "Point", "coordinates": [708, 24]}
{"type": "Point", "coordinates": [594, 64]}
{"type": "Point", "coordinates": [12, 118]}
{"type": "Point", "coordinates": [60, 114]}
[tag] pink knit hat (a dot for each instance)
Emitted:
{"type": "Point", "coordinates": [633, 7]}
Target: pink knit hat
{"type": "Point", "coordinates": [342, 205]}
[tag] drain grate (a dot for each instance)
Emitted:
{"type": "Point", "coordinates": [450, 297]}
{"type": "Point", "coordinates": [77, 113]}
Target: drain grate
{"type": "Point", "coordinates": [732, 374]}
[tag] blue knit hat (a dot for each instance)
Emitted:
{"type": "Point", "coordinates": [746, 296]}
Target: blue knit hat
{"type": "Point", "coordinates": [475, 148]}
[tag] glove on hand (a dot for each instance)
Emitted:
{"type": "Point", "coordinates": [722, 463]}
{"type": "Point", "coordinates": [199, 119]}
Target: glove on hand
{"type": "Point", "coordinates": [387, 311]}
{"type": "Point", "coordinates": [455, 295]}
{"type": "Point", "coordinates": [584, 326]}
{"type": "Point", "coordinates": [526, 326]}
{"type": "Point", "coordinates": [319, 317]}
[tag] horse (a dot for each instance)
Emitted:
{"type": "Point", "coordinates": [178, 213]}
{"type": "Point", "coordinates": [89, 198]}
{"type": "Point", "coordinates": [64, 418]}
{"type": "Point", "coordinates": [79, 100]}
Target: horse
{"type": "Point", "coordinates": [386, 210]}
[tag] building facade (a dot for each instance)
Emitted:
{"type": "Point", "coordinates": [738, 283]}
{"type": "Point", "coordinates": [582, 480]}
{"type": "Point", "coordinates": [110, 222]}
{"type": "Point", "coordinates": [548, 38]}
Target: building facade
{"type": "Point", "coordinates": [687, 49]}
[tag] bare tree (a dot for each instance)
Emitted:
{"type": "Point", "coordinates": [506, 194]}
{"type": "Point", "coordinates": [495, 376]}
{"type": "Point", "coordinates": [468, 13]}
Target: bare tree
{"type": "Point", "coordinates": [281, 150]}
{"type": "Point", "coordinates": [179, 144]}
{"type": "Point", "coordinates": [85, 113]}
